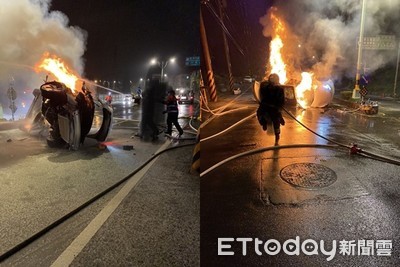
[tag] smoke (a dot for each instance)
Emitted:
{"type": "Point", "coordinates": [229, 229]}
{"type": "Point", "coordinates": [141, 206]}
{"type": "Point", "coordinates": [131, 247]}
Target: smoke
{"type": "Point", "coordinates": [28, 30]}
{"type": "Point", "coordinates": [323, 34]}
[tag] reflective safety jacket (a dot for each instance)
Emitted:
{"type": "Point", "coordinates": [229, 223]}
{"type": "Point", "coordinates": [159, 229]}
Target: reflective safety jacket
{"type": "Point", "coordinates": [172, 104]}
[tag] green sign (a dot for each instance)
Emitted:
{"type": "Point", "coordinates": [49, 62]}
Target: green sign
{"type": "Point", "coordinates": [380, 42]}
{"type": "Point", "coordinates": [192, 61]}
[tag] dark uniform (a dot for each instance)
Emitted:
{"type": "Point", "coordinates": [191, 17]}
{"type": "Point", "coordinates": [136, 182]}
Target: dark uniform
{"type": "Point", "coordinates": [151, 104]}
{"type": "Point", "coordinates": [272, 99]}
{"type": "Point", "coordinates": [172, 110]}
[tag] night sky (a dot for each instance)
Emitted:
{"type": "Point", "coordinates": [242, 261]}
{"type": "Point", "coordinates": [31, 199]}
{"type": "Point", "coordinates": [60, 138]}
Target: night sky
{"type": "Point", "coordinates": [123, 35]}
{"type": "Point", "coordinates": [242, 21]}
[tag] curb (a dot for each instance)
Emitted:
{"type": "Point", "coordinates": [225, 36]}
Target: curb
{"type": "Point", "coordinates": [346, 103]}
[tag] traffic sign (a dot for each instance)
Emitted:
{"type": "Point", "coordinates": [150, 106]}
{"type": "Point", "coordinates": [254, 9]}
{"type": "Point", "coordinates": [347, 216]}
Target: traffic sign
{"type": "Point", "coordinates": [192, 61]}
{"type": "Point", "coordinates": [363, 91]}
{"type": "Point", "coordinates": [380, 42]}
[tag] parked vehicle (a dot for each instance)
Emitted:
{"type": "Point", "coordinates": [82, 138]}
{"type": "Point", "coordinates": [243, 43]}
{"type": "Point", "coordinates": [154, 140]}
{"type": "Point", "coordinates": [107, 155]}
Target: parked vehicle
{"type": "Point", "coordinates": [290, 96]}
{"type": "Point", "coordinates": [127, 99]}
{"type": "Point", "coordinates": [185, 96]}
{"type": "Point", "coordinates": [248, 79]}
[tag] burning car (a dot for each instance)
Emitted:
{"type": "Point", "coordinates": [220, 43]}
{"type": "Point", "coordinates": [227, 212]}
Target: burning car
{"type": "Point", "coordinates": [319, 95]}
{"type": "Point", "coordinates": [66, 116]}
{"type": "Point", "coordinates": [312, 88]}
{"type": "Point", "coordinates": [289, 91]}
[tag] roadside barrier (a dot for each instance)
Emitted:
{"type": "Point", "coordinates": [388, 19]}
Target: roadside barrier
{"type": "Point", "coordinates": [196, 156]}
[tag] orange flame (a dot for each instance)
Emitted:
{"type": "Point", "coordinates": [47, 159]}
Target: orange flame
{"type": "Point", "coordinates": [304, 91]}
{"type": "Point", "coordinates": [59, 69]}
{"type": "Point", "coordinates": [276, 61]}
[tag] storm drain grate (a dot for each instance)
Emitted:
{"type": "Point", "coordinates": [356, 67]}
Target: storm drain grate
{"type": "Point", "coordinates": [308, 175]}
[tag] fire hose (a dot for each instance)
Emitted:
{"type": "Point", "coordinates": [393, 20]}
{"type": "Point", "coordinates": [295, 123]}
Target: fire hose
{"type": "Point", "coordinates": [221, 109]}
{"type": "Point", "coordinates": [354, 149]}
{"type": "Point", "coordinates": [56, 223]}
{"type": "Point", "coordinates": [259, 150]}
{"type": "Point", "coordinates": [229, 128]}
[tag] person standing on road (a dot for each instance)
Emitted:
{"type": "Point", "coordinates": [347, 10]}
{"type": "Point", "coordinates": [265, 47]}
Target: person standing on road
{"type": "Point", "coordinates": [151, 105]}
{"type": "Point", "coordinates": [172, 110]}
{"type": "Point", "coordinates": [272, 99]}
{"type": "Point", "coordinates": [108, 98]}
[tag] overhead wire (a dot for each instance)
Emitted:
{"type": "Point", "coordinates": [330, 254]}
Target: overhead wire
{"type": "Point", "coordinates": [221, 23]}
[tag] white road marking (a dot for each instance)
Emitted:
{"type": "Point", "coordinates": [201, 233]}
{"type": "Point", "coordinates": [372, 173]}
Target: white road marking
{"type": "Point", "coordinates": [69, 254]}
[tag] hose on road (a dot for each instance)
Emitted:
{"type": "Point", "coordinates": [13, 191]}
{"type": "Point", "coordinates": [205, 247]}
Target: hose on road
{"type": "Point", "coordinates": [56, 223]}
{"type": "Point", "coordinates": [353, 148]}
{"type": "Point", "coordinates": [259, 150]}
{"type": "Point", "coordinates": [229, 128]}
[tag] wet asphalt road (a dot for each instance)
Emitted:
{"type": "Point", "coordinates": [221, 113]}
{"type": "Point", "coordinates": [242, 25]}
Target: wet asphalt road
{"type": "Point", "coordinates": [247, 198]}
{"type": "Point", "coordinates": [124, 112]}
{"type": "Point", "coordinates": [39, 185]}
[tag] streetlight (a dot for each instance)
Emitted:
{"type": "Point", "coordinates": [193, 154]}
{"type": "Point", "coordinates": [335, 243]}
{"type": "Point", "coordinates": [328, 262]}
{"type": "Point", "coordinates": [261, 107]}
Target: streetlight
{"type": "Point", "coordinates": [163, 65]}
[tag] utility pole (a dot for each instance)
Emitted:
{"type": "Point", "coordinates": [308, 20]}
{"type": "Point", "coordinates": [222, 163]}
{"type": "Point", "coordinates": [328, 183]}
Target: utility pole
{"type": "Point", "coordinates": [397, 71]}
{"type": "Point", "coordinates": [356, 90]}
{"type": "Point", "coordinates": [207, 67]}
{"type": "Point", "coordinates": [226, 47]}
{"type": "Point", "coordinates": [163, 65]}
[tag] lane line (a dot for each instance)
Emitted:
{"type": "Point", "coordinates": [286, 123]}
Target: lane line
{"type": "Point", "coordinates": [69, 254]}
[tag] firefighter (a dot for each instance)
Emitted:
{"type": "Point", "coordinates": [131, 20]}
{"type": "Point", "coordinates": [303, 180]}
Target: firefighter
{"type": "Point", "coordinates": [272, 99]}
{"type": "Point", "coordinates": [109, 98]}
{"type": "Point", "coordinates": [172, 110]}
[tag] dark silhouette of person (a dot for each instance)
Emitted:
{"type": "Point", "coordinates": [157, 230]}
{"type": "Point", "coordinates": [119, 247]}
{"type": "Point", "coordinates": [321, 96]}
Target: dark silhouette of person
{"type": "Point", "coordinates": [151, 104]}
{"type": "Point", "coordinates": [272, 99]}
{"type": "Point", "coordinates": [172, 111]}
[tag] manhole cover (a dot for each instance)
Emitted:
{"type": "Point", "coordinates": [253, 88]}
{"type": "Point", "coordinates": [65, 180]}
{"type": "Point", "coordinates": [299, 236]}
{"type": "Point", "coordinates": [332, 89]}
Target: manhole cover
{"type": "Point", "coordinates": [308, 175]}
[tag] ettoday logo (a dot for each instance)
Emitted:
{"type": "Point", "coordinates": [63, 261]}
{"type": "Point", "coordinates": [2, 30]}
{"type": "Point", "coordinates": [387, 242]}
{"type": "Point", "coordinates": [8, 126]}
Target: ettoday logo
{"type": "Point", "coordinates": [274, 247]}
{"type": "Point", "coordinates": [309, 247]}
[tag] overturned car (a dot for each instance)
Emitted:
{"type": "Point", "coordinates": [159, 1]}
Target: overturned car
{"type": "Point", "coordinates": [65, 117]}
